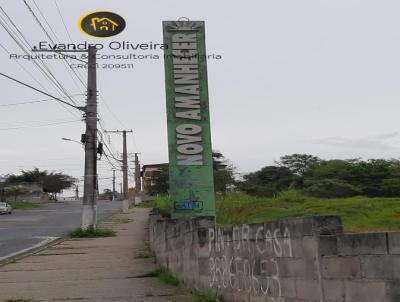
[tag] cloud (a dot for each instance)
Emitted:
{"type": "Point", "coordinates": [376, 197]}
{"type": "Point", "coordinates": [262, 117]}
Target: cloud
{"type": "Point", "coordinates": [377, 142]}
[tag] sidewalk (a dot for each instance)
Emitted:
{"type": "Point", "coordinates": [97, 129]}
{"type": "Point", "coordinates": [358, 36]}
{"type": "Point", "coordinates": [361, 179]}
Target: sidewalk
{"type": "Point", "coordinates": [91, 270]}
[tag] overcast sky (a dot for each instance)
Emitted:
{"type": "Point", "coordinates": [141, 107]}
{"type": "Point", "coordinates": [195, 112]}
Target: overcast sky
{"type": "Point", "coordinates": [317, 77]}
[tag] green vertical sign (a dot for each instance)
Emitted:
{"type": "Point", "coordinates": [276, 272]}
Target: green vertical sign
{"type": "Point", "coordinates": [191, 183]}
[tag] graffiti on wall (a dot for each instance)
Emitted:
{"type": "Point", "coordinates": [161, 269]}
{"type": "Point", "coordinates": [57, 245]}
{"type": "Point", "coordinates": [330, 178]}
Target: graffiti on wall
{"type": "Point", "coordinates": [253, 262]}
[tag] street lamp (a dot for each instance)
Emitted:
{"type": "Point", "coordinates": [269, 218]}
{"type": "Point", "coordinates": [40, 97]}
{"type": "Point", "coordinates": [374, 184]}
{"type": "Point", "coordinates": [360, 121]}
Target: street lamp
{"type": "Point", "coordinates": [83, 146]}
{"type": "Point", "coordinates": [71, 140]}
{"type": "Point", "coordinates": [74, 141]}
{"type": "Point", "coordinates": [78, 142]}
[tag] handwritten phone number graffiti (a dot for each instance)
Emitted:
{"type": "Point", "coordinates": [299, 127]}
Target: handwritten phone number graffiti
{"type": "Point", "coordinates": [256, 274]}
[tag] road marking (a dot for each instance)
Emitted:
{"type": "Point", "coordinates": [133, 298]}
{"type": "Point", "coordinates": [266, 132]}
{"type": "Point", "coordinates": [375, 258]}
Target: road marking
{"type": "Point", "coordinates": [45, 241]}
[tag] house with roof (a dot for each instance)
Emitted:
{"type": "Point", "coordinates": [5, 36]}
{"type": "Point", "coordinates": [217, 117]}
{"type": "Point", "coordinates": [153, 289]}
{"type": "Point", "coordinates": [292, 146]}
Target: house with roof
{"type": "Point", "coordinates": [100, 24]}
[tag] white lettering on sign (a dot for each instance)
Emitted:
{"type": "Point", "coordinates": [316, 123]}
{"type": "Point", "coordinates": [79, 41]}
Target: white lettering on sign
{"type": "Point", "coordinates": [190, 149]}
{"type": "Point", "coordinates": [189, 143]}
{"type": "Point", "coordinates": [188, 129]}
{"type": "Point", "coordinates": [192, 102]}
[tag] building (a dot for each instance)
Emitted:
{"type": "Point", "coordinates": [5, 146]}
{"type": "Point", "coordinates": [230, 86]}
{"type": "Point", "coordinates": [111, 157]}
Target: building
{"type": "Point", "coordinates": [31, 191]}
{"type": "Point", "coordinates": [148, 173]}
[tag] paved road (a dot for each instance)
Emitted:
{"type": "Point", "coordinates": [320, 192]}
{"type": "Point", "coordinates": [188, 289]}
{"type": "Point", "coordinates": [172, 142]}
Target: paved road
{"type": "Point", "coordinates": [26, 228]}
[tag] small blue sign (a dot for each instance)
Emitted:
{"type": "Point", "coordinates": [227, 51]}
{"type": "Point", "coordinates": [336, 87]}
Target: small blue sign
{"type": "Point", "coordinates": [188, 205]}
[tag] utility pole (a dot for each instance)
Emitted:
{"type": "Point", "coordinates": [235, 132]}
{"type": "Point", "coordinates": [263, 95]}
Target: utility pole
{"type": "Point", "coordinates": [125, 166]}
{"type": "Point", "coordinates": [113, 195]}
{"type": "Point", "coordinates": [89, 213]}
{"type": "Point", "coordinates": [77, 192]}
{"type": "Point", "coordinates": [124, 161]}
{"type": "Point", "coordinates": [138, 185]}
{"type": "Point", "coordinates": [89, 210]}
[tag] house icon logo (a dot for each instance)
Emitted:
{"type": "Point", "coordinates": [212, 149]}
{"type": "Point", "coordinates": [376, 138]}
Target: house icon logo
{"type": "Point", "coordinates": [101, 24]}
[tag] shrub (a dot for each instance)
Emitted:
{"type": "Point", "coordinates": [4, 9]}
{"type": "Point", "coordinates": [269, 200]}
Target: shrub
{"type": "Point", "coordinates": [291, 195]}
{"type": "Point", "coordinates": [330, 188]}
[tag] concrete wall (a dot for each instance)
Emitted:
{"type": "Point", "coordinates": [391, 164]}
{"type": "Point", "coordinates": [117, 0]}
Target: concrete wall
{"type": "Point", "coordinates": [293, 260]}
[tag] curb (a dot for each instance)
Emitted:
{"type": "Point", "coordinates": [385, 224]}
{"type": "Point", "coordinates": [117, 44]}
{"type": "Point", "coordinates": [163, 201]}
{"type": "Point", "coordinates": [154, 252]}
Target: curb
{"type": "Point", "coordinates": [31, 250]}
{"type": "Point", "coordinates": [49, 242]}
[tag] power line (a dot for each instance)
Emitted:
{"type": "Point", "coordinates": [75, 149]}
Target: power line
{"type": "Point", "coordinates": [33, 102]}
{"type": "Point", "coordinates": [25, 45]}
{"type": "Point", "coordinates": [37, 126]}
{"type": "Point", "coordinates": [110, 147]}
{"type": "Point", "coordinates": [112, 113]}
{"type": "Point", "coordinates": [45, 31]}
{"type": "Point", "coordinates": [62, 19]}
{"type": "Point", "coordinates": [23, 68]}
{"type": "Point", "coordinates": [65, 62]}
{"type": "Point", "coordinates": [20, 42]}
{"type": "Point", "coordinates": [29, 86]}
{"type": "Point", "coordinates": [24, 122]}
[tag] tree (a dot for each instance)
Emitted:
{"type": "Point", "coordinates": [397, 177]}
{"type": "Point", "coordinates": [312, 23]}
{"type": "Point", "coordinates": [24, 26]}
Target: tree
{"type": "Point", "coordinates": [223, 176]}
{"type": "Point", "coordinates": [298, 164]}
{"type": "Point", "coordinates": [329, 188]}
{"type": "Point", "coordinates": [223, 173]}
{"type": "Point", "coordinates": [268, 181]}
{"type": "Point", "coordinates": [54, 183]}
{"type": "Point", "coordinates": [159, 183]}
{"type": "Point", "coordinates": [34, 175]}
{"type": "Point", "coordinates": [329, 169]}
{"type": "Point", "coordinates": [373, 175]}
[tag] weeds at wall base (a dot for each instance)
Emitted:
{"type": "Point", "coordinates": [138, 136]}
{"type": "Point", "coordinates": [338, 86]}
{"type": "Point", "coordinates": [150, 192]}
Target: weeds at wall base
{"type": "Point", "coordinates": [163, 275]}
{"type": "Point", "coordinates": [198, 296]}
{"type": "Point", "coordinates": [91, 233]}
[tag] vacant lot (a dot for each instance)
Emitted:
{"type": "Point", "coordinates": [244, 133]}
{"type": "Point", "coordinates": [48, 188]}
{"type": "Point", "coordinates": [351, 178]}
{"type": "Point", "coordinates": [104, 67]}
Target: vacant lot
{"type": "Point", "coordinates": [358, 213]}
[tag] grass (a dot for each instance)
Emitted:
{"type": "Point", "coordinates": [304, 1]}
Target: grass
{"type": "Point", "coordinates": [163, 275]}
{"type": "Point", "coordinates": [205, 297]}
{"type": "Point", "coordinates": [91, 233]}
{"type": "Point", "coordinates": [358, 213]}
{"type": "Point", "coordinates": [23, 205]}
{"type": "Point", "coordinates": [144, 255]}
{"type": "Point", "coordinates": [159, 203]}
{"type": "Point", "coordinates": [150, 203]}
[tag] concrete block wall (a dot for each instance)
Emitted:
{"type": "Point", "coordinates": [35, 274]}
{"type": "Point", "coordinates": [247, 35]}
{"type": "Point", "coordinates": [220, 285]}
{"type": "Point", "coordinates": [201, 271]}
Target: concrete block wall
{"type": "Point", "coordinates": [305, 259]}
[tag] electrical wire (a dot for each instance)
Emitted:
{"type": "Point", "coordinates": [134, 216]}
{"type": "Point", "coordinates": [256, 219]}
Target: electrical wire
{"type": "Point", "coordinates": [29, 86]}
{"type": "Point", "coordinates": [37, 126]}
{"type": "Point", "coordinates": [65, 61]}
{"type": "Point", "coordinates": [62, 19]}
{"type": "Point", "coordinates": [23, 68]}
{"type": "Point", "coordinates": [25, 46]}
{"type": "Point", "coordinates": [44, 30]}
{"type": "Point", "coordinates": [32, 102]}
{"type": "Point", "coordinates": [22, 41]}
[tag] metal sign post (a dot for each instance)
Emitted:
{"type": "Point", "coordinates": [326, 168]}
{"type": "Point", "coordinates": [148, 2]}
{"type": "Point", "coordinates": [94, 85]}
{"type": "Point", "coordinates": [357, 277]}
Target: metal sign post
{"type": "Point", "coordinates": [190, 153]}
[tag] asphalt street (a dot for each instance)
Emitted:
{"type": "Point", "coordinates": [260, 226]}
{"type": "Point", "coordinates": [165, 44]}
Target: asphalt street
{"type": "Point", "coordinates": [26, 228]}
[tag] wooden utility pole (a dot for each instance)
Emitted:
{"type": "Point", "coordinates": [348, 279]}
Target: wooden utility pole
{"type": "Point", "coordinates": [125, 165]}
{"type": "Point", "coordinates": [124, 161]}
{"type": "Point", "coordinates": [89, 213]}
{"type": "Point", "coordinates": [77, 192]}
{"type": "Point", "coordinates": [113, 195]}
{"type": "Point", "coordinates": [138, 185]}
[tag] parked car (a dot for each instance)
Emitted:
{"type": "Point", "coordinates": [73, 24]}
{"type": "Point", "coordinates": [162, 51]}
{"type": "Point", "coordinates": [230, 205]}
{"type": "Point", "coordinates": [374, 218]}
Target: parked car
{"type": "Point", "coordinates": [5, 208]}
